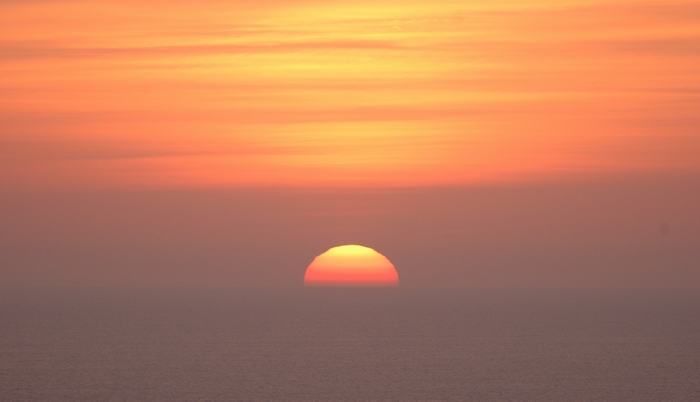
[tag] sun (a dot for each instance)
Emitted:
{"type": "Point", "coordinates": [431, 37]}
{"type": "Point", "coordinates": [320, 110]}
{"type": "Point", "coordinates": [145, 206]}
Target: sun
{"type": "Point", "coordinates": [351, 265]}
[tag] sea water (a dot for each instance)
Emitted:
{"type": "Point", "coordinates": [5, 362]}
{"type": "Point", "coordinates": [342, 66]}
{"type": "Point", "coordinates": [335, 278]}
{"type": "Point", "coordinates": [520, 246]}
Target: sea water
{"type": "Point", "coordinates": [344, 344]}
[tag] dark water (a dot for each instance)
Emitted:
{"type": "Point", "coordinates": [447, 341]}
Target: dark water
{"type": "Point", "coordinates": [349, 344]}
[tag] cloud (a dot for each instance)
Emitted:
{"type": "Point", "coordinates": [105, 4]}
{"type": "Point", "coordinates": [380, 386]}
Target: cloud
{"type": "Point", "coordinates": [39, 50]}
{"type": "Point", "coordinates": [448, 92]}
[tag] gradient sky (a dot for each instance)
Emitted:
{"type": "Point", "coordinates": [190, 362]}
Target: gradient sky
{"type": "Point", "coordinates": [487, 144]}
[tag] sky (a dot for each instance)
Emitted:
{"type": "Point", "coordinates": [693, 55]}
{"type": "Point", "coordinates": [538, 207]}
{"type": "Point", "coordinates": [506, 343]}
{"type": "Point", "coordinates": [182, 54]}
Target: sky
{"type": "Point", "coordinates": [475, 144]}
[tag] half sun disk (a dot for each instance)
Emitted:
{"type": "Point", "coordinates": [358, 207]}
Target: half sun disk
{"type": "Point", "coordinates": [351, 265]}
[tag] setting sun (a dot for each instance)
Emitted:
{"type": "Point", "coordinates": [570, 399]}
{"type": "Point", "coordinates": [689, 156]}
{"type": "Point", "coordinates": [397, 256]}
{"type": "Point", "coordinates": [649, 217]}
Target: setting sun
{"type": "Point", "coordinates": [351, 265]}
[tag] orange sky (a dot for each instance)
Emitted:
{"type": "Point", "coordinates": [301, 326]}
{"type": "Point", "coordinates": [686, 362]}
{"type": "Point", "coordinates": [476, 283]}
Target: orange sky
{"type": "Point", "coordinates": [308, 93]}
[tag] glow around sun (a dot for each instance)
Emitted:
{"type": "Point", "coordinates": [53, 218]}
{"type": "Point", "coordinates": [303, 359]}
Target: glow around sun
{"type": "Point", "coordinates": [351, 265]}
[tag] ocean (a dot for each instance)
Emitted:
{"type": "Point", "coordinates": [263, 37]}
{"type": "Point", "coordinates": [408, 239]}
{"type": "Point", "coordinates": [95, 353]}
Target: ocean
{"type": "Point", "coordinates": [345, 344]}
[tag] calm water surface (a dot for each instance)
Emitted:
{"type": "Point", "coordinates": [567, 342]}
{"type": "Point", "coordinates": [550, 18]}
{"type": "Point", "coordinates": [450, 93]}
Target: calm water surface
{"type": "Point", "coordinates": [349, 344]}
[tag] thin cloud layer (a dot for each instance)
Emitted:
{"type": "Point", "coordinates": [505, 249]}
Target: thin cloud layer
{"type": "Point", "coordinates": [345, 94]}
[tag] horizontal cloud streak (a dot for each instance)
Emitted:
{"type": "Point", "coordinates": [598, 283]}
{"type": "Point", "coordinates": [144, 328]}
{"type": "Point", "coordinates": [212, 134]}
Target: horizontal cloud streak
{"type": "Point", "coordinates": [10, 51]}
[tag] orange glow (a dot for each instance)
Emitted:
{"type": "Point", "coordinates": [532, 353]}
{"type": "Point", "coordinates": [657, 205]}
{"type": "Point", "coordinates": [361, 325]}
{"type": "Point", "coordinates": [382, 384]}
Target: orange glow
{"type": "Point", "coordinates": [345, 94]}
{"type": "Point", "coordinates": [351, 265]}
